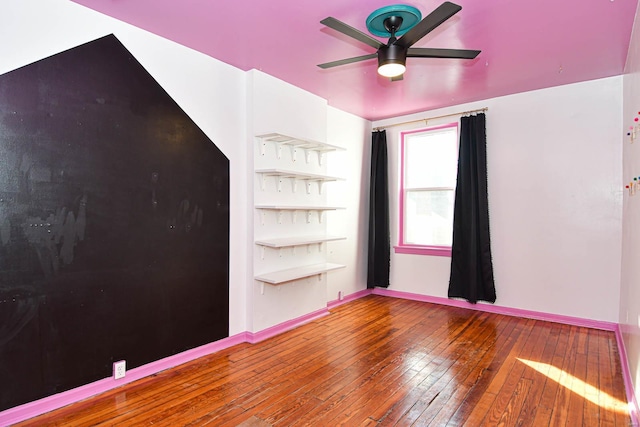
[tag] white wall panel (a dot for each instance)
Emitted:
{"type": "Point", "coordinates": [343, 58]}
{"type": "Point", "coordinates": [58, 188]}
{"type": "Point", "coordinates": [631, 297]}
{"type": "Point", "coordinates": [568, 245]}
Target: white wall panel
{"type": "Point", "coordinates": [353, 165]}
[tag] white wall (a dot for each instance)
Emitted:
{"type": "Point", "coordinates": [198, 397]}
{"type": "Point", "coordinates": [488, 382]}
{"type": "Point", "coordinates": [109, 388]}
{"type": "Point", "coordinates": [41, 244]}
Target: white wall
{"type": "Point", "coordinates": [354, 133]}
{"type": "Point", "coordinates": [211, 92]}
{"type": "Point", "coordinates": [630, 282]}
{"type": "Point", "coordinates": [555, 194]}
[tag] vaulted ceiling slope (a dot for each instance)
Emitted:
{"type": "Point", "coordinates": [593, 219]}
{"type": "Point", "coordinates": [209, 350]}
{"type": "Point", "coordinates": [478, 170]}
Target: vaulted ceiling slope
{"type": "Point", "coordinates": [525, 45]}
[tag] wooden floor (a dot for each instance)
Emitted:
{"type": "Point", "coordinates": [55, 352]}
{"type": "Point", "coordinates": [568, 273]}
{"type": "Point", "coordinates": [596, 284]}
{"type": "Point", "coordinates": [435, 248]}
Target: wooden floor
{"type": "Point", "coordinates": [383, 361]}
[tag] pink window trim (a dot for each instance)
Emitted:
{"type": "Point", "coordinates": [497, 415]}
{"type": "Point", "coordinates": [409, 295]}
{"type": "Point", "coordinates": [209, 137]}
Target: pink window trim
{"type": "Point", "coordinates": [403, 248]}
{"type": "Point", "coordinates": [423, 250]}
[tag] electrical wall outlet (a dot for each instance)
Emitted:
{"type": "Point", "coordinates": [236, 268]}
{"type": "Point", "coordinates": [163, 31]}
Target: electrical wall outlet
{"type": "Point", "coordinates": [119, 369]}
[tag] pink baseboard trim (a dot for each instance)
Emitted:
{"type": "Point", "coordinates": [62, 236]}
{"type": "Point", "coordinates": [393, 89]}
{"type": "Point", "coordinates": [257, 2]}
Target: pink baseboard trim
{"type": "Point", "coordinates": [348, 298]}
{"type": "Point", "coordinates": [47, 404]}
{"type": "Point", "coordinates": [628, 381]}
{"type": "Point", "coordinates": [285, 326]}
{"type": "Point", "coordinates": [490, 308]}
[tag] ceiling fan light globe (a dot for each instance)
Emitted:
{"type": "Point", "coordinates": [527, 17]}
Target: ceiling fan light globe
{"type": "Point", "coordinates": [391, 69]}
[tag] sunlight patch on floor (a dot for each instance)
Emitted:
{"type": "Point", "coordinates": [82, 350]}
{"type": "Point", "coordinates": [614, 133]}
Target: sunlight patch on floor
{"type": "Point", "coordinates": [576, 385]}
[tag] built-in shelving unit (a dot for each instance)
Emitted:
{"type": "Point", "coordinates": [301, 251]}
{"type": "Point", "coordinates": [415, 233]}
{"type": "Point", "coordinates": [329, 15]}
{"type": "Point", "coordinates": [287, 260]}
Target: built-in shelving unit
{"type": "Point", "coordinates": [283, 166]}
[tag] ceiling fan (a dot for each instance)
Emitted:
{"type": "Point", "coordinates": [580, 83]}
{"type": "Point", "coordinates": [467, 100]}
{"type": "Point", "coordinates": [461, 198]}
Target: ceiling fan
{"type": "Point", "coordinates": [403, 21]}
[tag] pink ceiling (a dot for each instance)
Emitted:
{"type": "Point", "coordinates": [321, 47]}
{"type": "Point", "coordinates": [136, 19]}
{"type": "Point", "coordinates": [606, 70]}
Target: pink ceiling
{"type": "Point", "coordinates": [525, 44]}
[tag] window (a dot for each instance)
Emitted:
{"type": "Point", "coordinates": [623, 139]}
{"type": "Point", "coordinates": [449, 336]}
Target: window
{"type": "Point", "coordinates": [428, 168]}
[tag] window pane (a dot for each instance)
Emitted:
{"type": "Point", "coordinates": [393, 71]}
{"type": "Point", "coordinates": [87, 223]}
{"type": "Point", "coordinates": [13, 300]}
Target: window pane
{"type": "Point", "coordinates": [431, 159]}
{"type": "Point", "coordinates": [429, 218]}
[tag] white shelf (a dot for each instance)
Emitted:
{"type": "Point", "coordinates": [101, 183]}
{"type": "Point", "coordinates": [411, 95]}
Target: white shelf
{"type": "Point", "coordinates": [297, 208]}
{"type": "Point", "coordinates": [307, 144]}
{"type": "Point", "coordinates": [298, 175]}
{"type": "Point", "coordinates": [284, 242]}
{"type": "Point", "coordinates": [282, 276]}
{"type": "Point", "coordinates": [309, 209]}
{"type": "Point", "coordinates": [295, 143]}
{"type": "Point", "coordinates": [279, 174]}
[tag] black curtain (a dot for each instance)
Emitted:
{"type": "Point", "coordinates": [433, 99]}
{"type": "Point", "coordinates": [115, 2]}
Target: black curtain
{"type": "Point", "coordinates": [471, 265]}
{"type": "Point", "coordinates": [379, 238]}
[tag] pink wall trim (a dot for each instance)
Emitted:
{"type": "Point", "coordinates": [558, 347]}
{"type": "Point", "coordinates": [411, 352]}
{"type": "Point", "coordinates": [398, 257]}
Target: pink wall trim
{"type": "Point", "coordinates": [490, 308]}
{"type": "Point", "coordinates": [286, 326]}
{"type": "Point", "coordinates": [348, 298]}
{"type": "Point", "coordinates": [47, 404]}
{"type": "Point", "coordinates": [628, 382]}
{"type": "Point", "coordinates": [424, 250]}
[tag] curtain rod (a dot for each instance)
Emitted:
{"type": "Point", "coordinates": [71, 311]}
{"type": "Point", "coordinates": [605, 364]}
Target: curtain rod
{"type": "Point", "coordinates": [478, 110]}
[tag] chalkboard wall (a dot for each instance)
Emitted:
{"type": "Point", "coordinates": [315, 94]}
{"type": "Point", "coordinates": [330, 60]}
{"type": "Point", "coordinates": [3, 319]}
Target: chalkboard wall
{"type": "Point", "coordinates": [114, 223]}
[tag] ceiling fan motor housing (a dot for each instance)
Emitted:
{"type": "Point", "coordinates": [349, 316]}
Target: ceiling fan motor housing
{"type": "Point", "coordinates": [392, 53]}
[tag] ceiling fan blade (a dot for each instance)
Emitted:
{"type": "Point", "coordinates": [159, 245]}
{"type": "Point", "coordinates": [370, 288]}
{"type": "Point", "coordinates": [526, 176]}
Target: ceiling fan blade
{"type": "Point", "coordinates": [351, 32]}
{"type": "Point", "coordinates": [348, 61]}
{"type": "Point", "coordinates": [430, 22]}
{"type": "Point", "coordinates": [427, 52]}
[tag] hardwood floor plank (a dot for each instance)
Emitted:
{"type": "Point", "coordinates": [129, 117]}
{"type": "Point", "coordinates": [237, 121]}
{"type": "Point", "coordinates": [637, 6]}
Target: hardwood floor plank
{"type": "Point", "coordinates": [543, 390]}
{"type": "Point", "coordinates": [472, 384]}
{"type": "Point", "coordinates": [427, 375]}
{"type": "Point", "coordinates": [362, 352]}
{"type": "Point", "coordinates": [422, 365]}
{"type": "Point", "coordinates": [560, 413]}
{"type": "Point", "coordinates": [511, 412]}
{"type": "Point", "coordinates": [618, 390]}
{"type": "Point", "coordinates": [532, 350]}
{"type": "Point", "coordinates": [576, 401]}
{"type": "Point", "coordinates": [276, 371]}
{"type": "Point", "coordinates": [592, 410]}
{"type": "Point", "coordinates": [460, 369]}
{"type": "Point", "coordinates": [483, 406]}
{"type": "Point", "coordinates": [555, 400]}
{"type": "Point", "coordinates": [491, 367]}
{"type": "Point", "coordinates": [606, 392]}
{"type": "Point", "coordinates": [381, 361]}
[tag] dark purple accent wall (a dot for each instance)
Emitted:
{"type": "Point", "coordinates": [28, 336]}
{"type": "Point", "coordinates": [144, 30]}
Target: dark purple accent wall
{"type": "Point", "coordinates": [114, 223]}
